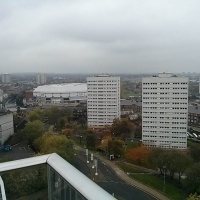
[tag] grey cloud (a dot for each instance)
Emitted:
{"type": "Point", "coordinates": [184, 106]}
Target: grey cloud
{"type": "Point", "coordinates": [99, 36]}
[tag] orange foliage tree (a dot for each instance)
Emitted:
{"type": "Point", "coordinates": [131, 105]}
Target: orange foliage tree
{"type": "Point", "coordinates": [138, 155]}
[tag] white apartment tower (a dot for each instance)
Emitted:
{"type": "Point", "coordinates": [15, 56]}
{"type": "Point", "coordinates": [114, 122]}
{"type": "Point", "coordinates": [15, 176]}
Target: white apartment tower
{"type": "Point", "coordinates": [6, 126]}
{"type": "Point", "coordinates": [165, 111]}
{"type": "Point", "coordinates": [199, 83]}
{"type": "Point", "coordinates": [41, 79]}
{"type": "Point", "coordinates": [103, 100]}
{"type": "Point", "coordinates": [6, 78]}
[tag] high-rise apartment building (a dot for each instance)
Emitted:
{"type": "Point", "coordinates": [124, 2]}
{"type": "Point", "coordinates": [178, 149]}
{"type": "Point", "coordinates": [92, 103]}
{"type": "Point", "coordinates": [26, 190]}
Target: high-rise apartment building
{"type": "Point", "coordinates": [6, 126]}
{"type": "Point", "coordinates": [6, 78]}
{"type": "Point", "coordinates": [199, 83]}
{"type": "Point", "coordinates": [164, 111]}
{"type": "Point", "coordinates": [41, 79]}
{"type": "Point", "coordinates": [103, 100]}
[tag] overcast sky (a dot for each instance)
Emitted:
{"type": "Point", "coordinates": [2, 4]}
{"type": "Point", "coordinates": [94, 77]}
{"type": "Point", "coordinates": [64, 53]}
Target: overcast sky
{"type": "Point", "coordinates": [104, 36]}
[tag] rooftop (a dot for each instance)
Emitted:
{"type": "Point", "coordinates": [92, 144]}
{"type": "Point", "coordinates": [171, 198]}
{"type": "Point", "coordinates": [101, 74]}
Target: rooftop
{"type": "Point", "coordinates": [62, 88]}
{"type": "Point", "coordinates": [124, 102]}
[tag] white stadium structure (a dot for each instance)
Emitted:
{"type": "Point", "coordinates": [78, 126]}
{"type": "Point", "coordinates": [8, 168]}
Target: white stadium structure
{"type": "Point", "coordinates": [60, 93]}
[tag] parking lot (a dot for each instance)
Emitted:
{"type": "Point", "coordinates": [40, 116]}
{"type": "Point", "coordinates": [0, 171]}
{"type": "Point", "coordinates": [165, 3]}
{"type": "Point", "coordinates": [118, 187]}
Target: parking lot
{"type": "Point", "coordinates": [18, 151]}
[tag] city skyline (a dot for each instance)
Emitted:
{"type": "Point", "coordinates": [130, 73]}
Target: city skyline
{"type": "Point", "coordinates": [99, 37]}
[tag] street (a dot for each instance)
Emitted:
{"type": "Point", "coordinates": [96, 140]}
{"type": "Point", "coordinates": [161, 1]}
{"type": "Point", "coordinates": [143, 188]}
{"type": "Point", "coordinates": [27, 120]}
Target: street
{"type": "Point", "coordinates": [113, 184]}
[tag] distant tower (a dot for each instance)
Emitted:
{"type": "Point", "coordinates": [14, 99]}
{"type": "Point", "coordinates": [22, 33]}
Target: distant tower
{"type": "Point", "coordinates": [41, 79]}
{"type": "Point", "coordinates": [6, 78]}
{"type": "Point", "coordinates": [199, 83]}
{"type": "Point", "coordinates": [103, 100]}
{"type": "Point", "coordinates": [165, 111]}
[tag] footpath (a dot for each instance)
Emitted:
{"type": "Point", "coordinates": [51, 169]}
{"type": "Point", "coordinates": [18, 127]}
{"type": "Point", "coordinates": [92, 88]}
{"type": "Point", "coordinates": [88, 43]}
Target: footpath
{"type": "Point", "coordinates": [156, 194]}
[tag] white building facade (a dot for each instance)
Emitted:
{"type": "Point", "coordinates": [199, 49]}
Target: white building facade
{"type": "Point", "coordinates": [60, 93]}
{"type": "Point", "coordinates": [6, 126]}
{"type": "Point", "coordinates": [41, 79]}
{"type": "Point", "coordinates": [165, 111]}
{"type": "Point", "coordinates": [6, 78]}
{"type": "Point", "coordinates": [103, 100]}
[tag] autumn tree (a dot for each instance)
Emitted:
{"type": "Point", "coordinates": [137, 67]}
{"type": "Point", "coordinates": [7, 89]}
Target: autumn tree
{"type": "Point", "coordinates": [121, 128]}
{"type": "Point", "coordinates": [33, 130]}
{"type": "Point", "coordinates": [67, 132]}
{"type": "Point", "coordinates": [51, 143]}
{"type": "Point", "coordinates": [105, 133]}
{"type": "Point", "coordinates": [116, 147]}
{"type": "Point", "coordinates": [104, 143]}
{"type": "Point", "coordinates": [55, 114]}
{"type": "Point", "coordinates": [34, 116]}
{"type": "Point", "coordinates": [138, 155]}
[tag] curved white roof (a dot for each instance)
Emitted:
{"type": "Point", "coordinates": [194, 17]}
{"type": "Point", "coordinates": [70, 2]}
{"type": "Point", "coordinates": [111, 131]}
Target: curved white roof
{"type": "Point", "coordinates": [61, 88]}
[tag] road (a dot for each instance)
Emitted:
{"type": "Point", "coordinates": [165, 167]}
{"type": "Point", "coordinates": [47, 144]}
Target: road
{"type": "Point", "coordinates": [113, 184]}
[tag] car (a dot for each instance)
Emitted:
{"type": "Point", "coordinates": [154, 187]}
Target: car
{"type": "Point", "coordinates": [117, 156]}
{"type": "Point", "coordinates": [6, 148]}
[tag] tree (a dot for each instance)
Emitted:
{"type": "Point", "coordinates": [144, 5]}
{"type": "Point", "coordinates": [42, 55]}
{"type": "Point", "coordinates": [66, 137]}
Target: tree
{"type": "Point", "coordinates": [138, 132]}
{"type": "Point", "coordinates": [61, 123]}
{"type": "Point", "coordinates": [194, 197]}
{"type": "Point", "coordinates": [170, 161]}
{"type": "Point", "coordinates": [19, 100]}
{"type": "Point", "coordinates": [138, 155]}
{"type": "Point", "coordinates": [192, 181]}
{"type": "Point", "coordinates": [18, 184]}
{"type": "Point", "coordinates": [104, 143]}
{"type": "Point", "coordinates": [33, 130]}
{"type": "Point", "coordinates": [54, 115]}
{"type": "Point", "coordinates": [116, 147]}
{"type": "Point", "coordinates": [50, 143]}
{"type": "Point", "coordinates": [157, 158]}
{"type": "Point", "coordinates": [90, 139]}
{"type": "Point", "coordinates": [194, 153]}
{"type": "Point", "coordinates": [121, 128]}
{"type": "Point", "coordinates": [182, 162]}
{"type": "Point", "coordinates": [82, 121]}
{"type": "Point", "coordinates": [67, 112]}
{"type": "Point", "coordinates": [34, 116]}
{"type": "Point", "coordinates": [67, 132]}
{"type": "Point", "coordinates": [105, 133]}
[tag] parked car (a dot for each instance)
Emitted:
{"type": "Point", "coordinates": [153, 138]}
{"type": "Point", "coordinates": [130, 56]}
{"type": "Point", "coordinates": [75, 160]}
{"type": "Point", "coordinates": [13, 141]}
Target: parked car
{"type": "Point", "coordinates": [6, 148]}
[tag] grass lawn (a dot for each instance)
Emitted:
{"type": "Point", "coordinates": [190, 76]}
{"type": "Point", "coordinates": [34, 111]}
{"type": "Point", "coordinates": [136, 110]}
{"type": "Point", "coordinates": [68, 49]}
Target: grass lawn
{"type": "Point", "coordinates": [156, 181]}
{"type": "Point", "coordinates": [133, 144]}
{"type": "Point", "coordinates": [131, 169]}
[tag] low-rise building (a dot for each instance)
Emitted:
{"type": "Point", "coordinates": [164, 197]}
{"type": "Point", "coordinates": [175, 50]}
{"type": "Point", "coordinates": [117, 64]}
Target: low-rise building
{"type": "Point", "coordinates": [130, 107]}
{"type": "Point", "coordinates": [193, 115]}
{"type": "Point", "coordinates": [79, 112]}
